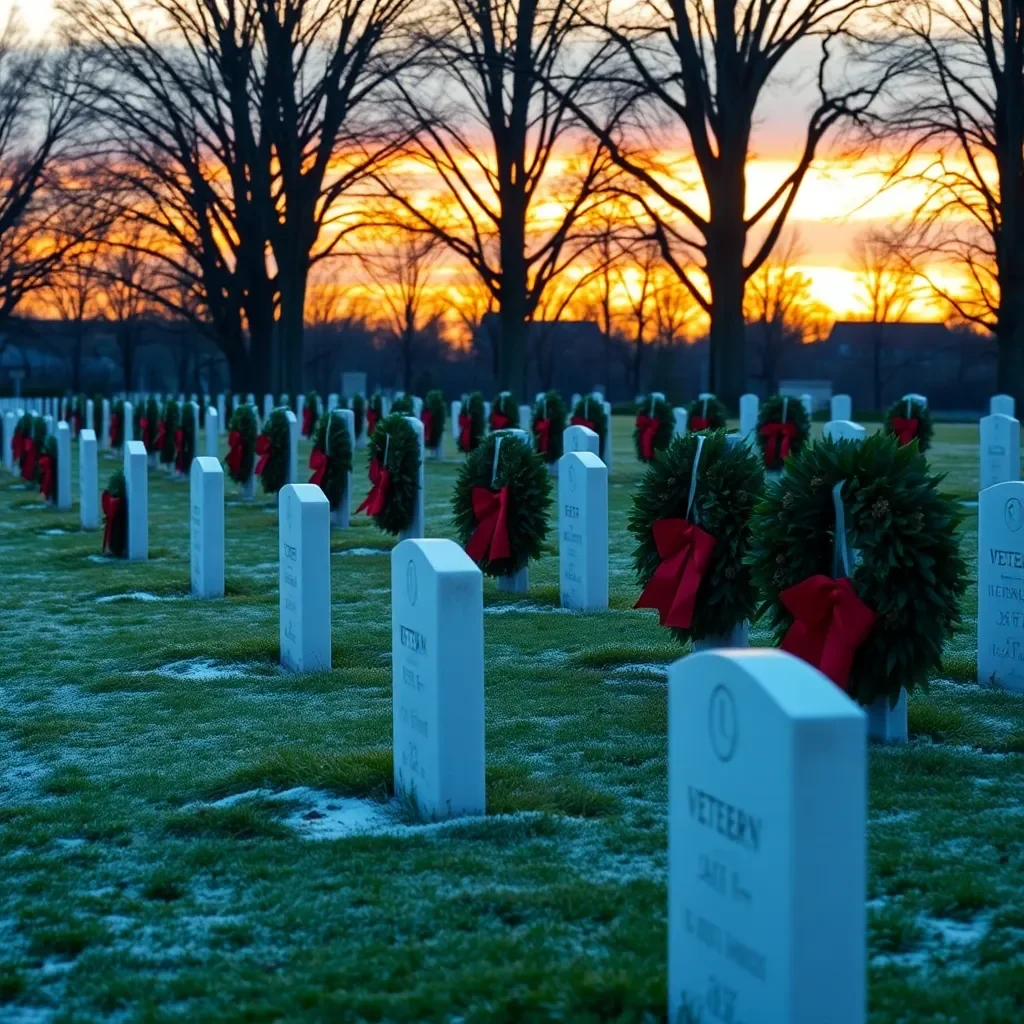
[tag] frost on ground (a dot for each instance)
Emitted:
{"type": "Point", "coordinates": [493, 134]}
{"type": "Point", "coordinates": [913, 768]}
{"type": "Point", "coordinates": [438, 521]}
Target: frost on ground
{"type": "Point", "coordinates": [135, 595]}
{"type": "Point", "coordinates": [199, 669]}
{"type": "Point", "coordinates": [522, 606]}
{"type": "Point", "coordinates": [361, 552]}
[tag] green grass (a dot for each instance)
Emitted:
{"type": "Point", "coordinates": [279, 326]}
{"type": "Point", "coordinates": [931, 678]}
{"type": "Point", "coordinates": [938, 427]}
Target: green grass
{"type": "Point", "coordinates": [153, 870]}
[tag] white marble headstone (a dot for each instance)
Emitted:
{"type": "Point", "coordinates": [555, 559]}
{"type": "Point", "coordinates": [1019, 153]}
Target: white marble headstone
{"type": "Point", "coordinates": [680, 419]}
{"type": "Point", "coordinates": [300, 406]}
{"type": "Point", "coordinates": [342, 516]}
{"type": "Point", "coordinates": [88, 480]}
{"type": "Point", "coordinates": [842, 407]}
{"type": "Point", "coordinates": [136, 481]}
{"type": "Point", "coordinates": [293, 447]}
{"type": "Point", "coordinates": [418, 525]}
{"type": "Point", "coordinates": [212, 431]}
{"type": "Point", "coordinates": [749, 408]}
{"type": "Point", "coordinates": [767, 818]}
{"type": "Point", "coordinates": [437, 658]}
{"type": "Point", "coordinates": [1002, 405]}
{"type": "Point", "coordinates": [128, 423]}
{"type": "Point", "coordinates": [913, 396]}
{"type": "Point", "coordinates": [206, 548]}
{"type": "Point", "coordinates": [221, 413]}
{"type": "Point", "coordinates": [844, 430]}
{"type": "Point", "coordinates": [606, 453]}
{"type": "Point", "coordinates": [583, 531]}
{"type": "Point", "coordinates": [63, 467]}
{"type": "Point", "coordinates": [10, 422]}
{"type": "Point", "coordinates": [581, 439]}
{"type": "Point", "coordinates": [332, 402]}
{"type": "Point", "coordinates": [268, 405]}
{"type": "Point", "coordinates": [808, 403]}
{"type": "Point", "coordinates": [304, 530]}
{"type": "Point", "coordinates": [1000, 450]}
{"type": "Point", "coordinates": [105, 439]}
{"type": "Point", "coordinates": [1001, 585]}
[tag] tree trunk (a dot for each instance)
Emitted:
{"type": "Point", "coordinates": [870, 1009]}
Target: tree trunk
{"type": "Point", "coordinates": [513, 312]}
{"type": "Point", "coordinates": [292, 330]}
{"type": "Point", "coordinates": [728, 369]}
{"type": "Point", "coordinates": [638, 355]}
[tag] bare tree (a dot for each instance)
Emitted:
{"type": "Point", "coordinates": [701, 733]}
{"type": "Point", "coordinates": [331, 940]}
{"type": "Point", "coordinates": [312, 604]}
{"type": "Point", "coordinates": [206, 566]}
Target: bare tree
{"type": "Point", "coordinates": [953, 110]}
{"type": "Point", "coordinates": [487, 128]}
{"type": "Point", "coordinates": [401, 269]}
{"type": "Point", "coordinates": [888, 285]}
{"type": "Point", "coordinates": [675, 311]}
{"type": "Point", "coordinates": [72, 290]}
{"type": "Point", "coordinates": [638, 278]}
{"type": "Point", "coordinates": [703, 69]}
{"type": "Point", "coordinates": [37, 124]}
{"type": "Point", "coordinates": [779, 307]}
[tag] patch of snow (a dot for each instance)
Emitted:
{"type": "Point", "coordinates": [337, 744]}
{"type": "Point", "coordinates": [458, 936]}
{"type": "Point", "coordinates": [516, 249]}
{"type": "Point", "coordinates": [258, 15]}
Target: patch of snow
{"type": "Point", "coordinates": [54, 533]}
{"type": "Point", "coordinates": [199, 669]}
{"type": "Point", "coordinates": [134, 595]}
{"type": "Point", "coordinates": [641, 669]}
{"type": "Point", "coordinates": [361, 552]}
{"type": "Point", "coordinates": [527, 609]}
{"type": "Point", "coordinates": [958, 933]}
{"type": "Point", "coordinates": [35, 504]}
{"type": "Point", "coordinates": [27, 1014]}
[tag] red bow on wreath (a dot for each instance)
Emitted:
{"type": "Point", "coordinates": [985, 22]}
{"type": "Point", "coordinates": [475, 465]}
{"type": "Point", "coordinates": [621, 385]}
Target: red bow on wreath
{"type": "Point", "coordinates": [115, 424]}
{"type": "Point", "coordinates": [235, 452]}
{"type": "Point", "coordinates": [318, 462]}
{"type": "Point", "coordinates": [648, 427]}
{"type": "Point", "coordinates": [111, 510]}
{"type": "Point", "coordinates": [144, 431]}
{"type": "Point", "coordinates": [490, 538]}
{"type": "Point", "coordinates": [371, 421]}
{"type": "Point", "coordinates": [376, 501]}
{"type": "Point", "coordinates": [829, 623]}
{"type": "Point", "coordinates": [465, 431]}
{"type": "Point", "coordinates": [778, 437]}
{"type": "Point", "coordinates": [17, 446]}
{"type": "Point", "coordinates": [307, 420]}
{"type": "Point", "coordinates": [905, 428]}
{"type": "Point", "coordinates": [28, 459]}
{"type": "Point", "coordinates": [46, 476]}
{"type": "Point", "coordinates": [685, 551]}
{"type": "Point", "coordinates": [179, 459]}
{"type": "Point", "coordinates": [499, 421]}
{"type": "Point", "coordinates": [541, 430]}
{"type": "Point", "coordinates": [427, 419]}
{"type": "Point", "coordinates": [161, 436]}
{"type": "Point", "coordinates": [263, 451]}
{"type": "Point", "coordinates": [699, 423]}
{"type": "Point", "coordinates": [579, 421]}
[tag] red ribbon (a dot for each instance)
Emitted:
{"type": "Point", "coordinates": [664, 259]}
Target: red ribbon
{"type": "Point", "coordinates": [235, 452]}
{"type": "Point", "coordinates": [490, 538]}
{"type": "Point", "coordinates": [777, 440]}
{"type": "Point", "coordinates": [307, 420]}
{"type": "Point", "coordinates": [17, 446]}
{"type": "Point", "coordinates": [541, 430]}
{"type": "Point", "coordinates": [465, 431]}
{"type": "Point", "coordinates": [263, 451]}
{"type": "Point", "coordinates": [371, 421]}
{"type": "Point", "coordinates": [161, 436]}
{"type": "Point", "coordinates": [579, 421]}
{"type": "Point", "coordinates": [144, 431]}
{"type": "Point", "coordinates": [648, 427]}
{"type": "Point", "coordinates": [179, 459]}
{"type": "Point", "coordinates": [829, 623]}
{"type": "Point", "coordinates": [115, 423]}
{"type": "Point", "coordinates": [318, 462]}
{"type": "Point", "coordinates": [699, 423]}
{"type": "Point", "coordinates": [905, 428]}
{"type": "Point", "coordinates": [376, 501]}
{"type": "Point", "coordinates": [46, 475]}
{"type": "Point", "coordinates": [111, 510]}
{"type": "Point", "coordinates": [28, 459]}
{"type": "Point", "coordinates": [685, 551]}
{"type": "Point", "coordinates": [427, 419]}
{"type": "Point", "coordinates": [499, 421]}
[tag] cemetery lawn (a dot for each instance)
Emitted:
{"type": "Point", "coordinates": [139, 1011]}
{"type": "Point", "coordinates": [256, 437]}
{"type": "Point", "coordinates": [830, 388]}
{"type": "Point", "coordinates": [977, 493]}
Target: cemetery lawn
{"type": "Point", "coordinates": [176, 812]}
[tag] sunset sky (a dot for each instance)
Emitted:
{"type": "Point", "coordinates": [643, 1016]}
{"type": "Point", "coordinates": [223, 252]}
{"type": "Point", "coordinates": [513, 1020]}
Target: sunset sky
{"type": "Point", "coordinates": [836, 204]}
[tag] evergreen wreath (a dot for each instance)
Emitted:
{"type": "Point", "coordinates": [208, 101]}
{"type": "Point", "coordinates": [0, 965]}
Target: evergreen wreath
{"type": "Point", "coordinates": [331, 457]}
{"type": "Point", "coordinates": [47, 471]}
{"type": "Point", "coordinates": [504, 412]}
{"type": "Point", "coordinates": [310, 413]}
{"type": "Point", "coordinates": [374, 414]}
{"type": "Point", "coordinates": [471, 422]}
{"type": "Point", "coordinates": [654, 428]}
{"type": "Point", "coordinates": [589, 412]}
{"type": "Point", "coordinates": [394, 463]}
{"type": "Point", "coordinates": [149, 426]}
{"type": "Point", "coordinates": [783, 428]}
{"type": "Point", "coordinates": [908, 421]}
{"type": "Point", "coordinates": [710, 591]}
{"type": "Point", "coordinates": [909, 574]}
{"type": "Point", "coordinates": [185, 441]}
{"type": "Point", "coordinates": [241, 455]}
{"type": "Point", "coordinates": [403, 405]}
{"type": "Point", "coordinates": [272, 449]}
{"type": "Point", "coordinates": [167, 430]}
{"type": "Point", "coordinates": [706, 414]}
{"type": "Point", "coordinates": [97, 416]}
{"type": "Point", "coordinates": [23, 446]}
{"type": "Point", "coordinates": [138, 415]}
{"type": "Point", "coordinates": [547, 424]}
{"type": "Point", "coordinates": [358, 407]}
{"type": "Point", "coordinates": [115, 516]}
{"type": "Point", "coordinates": [117, 424]}
{"type": "Point", "coordinates": [433, 416]}
{"type": "Point", "coordinates": [38, 436]}
{"type": "Point", "coordinates": [519, 487]}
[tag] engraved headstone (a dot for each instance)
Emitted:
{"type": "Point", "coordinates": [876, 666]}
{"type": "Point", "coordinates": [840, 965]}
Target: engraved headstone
{"type": "Point", "coordinates": [304, 531]}
{"type": "Point", "coordinates": [437, 658]}
{"type": "Point", "coordinates": [749, 408]}
{"type": "Point", "coordinates": [842, 407]}
{"type": "Point", "coordinates": [1000, 450]}
{"type": "Point", "coordinates": [212, 432]}
{"type": "Point", "coordinates": [136, 482]}
{"type": "Point", "coordinates": [206, 494]}
{"type": "Point", "coordinates": [1002, 405]}
{"type": "Point", "coordinates": [766, 849]}
{"type": "Point", "coordinates": [63, 467]}
{"type": "Point", "coordinates": [583, 531]}
{"type": "Point", "coordinates": [88, 480]}
{"type": "Point", "coordinates": [581, 439]}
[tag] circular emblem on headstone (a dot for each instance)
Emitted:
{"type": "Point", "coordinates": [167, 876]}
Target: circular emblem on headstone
{"type": "Point", "coordinates": [572, 476]}
{"type": "Point", "coordinates": [411, 587]}
{"type": "Point", "coordinates": [723, 727]}
{"type": "Point", "coordinates": [1014, 514]}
